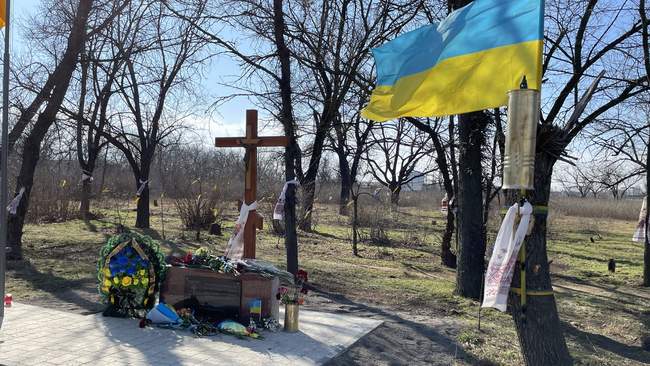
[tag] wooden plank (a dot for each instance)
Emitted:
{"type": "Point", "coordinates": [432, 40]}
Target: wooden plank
{"type": "Point", "coordinates": [263, 141]}
{"type": "Point", "coordinates": [228, 142]}
{"type": "Point", "coordinates": [254, 286]}
{"type": "Point", "coordinates": [214, 292]}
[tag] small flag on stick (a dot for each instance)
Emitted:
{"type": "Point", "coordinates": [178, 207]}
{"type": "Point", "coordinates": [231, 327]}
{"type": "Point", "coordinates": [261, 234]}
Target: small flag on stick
{"type": "Point", "coordinates": [256, 307]}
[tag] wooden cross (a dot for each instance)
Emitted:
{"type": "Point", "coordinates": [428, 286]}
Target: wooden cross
{"type": "Point", "coordinates": [251, 142]}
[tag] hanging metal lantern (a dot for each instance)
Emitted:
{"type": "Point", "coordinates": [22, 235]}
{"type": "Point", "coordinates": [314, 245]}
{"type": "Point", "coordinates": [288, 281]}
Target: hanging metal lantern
{"type": "Point", "coordinates": [521, 135]}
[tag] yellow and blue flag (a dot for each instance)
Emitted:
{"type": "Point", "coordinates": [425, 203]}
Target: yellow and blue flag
{"type": "Point", "coordinates": [466, 63]}
{"type": "Point", "coordinates": [255, 306]}
{"type": "Point", "coordinates": [3, 13]}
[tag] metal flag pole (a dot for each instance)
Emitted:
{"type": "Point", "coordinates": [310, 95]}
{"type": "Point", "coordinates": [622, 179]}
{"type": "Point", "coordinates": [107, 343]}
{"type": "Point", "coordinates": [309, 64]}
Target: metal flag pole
{"type": "Point", "coordinates": [3, 165]}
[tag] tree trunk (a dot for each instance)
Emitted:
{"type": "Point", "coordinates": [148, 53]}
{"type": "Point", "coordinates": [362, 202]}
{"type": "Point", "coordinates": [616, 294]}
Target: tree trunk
{"type": "Point", "coordinates": [142, 215]}
{"type": "Point", "coordinates": [448, 258]}
{"type": "Point", "coordinates": [540, 334]}
{"type": "Point", "coordinates": [646, 61]}
{"type": "Point", "coordinates": [84, 206]}
{"type": "Point", "coordinates": [31, 150]}
{"type": "Point", "coordinates": [471, 249]}
{"type": "Point", "coordinates": [308, 195]}
{"type": "Point", "coordinates": [394, 197]}
{"type": "Point", "coordinates": [346, 185]}
{"type": "Point", "coordinates": [355, 225]}
{"type": "Point", "coordinates": [291, 152]}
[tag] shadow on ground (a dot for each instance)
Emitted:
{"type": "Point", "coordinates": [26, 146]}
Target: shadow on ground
{"type": "Point", "coordinates": [78, 295]}
{"type": "Point", "coordinates": [398, 341]}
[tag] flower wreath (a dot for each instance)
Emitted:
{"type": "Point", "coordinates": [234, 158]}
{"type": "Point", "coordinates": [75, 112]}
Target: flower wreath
{"type": "Point", "coordinates": [129, 270]}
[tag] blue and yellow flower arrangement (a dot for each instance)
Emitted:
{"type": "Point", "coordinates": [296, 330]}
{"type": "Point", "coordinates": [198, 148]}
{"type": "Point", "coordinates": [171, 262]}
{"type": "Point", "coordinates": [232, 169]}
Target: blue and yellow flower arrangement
{"type": "Point", "coordinates": [129, 270]}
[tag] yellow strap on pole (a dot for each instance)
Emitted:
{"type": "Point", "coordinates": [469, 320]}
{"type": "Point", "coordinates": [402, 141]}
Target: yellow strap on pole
{"type": "Point", "coordinates": [517, 291]}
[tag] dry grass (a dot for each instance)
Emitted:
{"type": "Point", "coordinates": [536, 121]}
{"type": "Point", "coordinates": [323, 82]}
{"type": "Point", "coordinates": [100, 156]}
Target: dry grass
{"type": "Point", "coordinates": [624, 209]}
{"type": "Point", "coordinates": [604, 314]}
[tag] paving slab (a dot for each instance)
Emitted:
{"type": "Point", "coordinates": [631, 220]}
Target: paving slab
{"type": "Point", "coordinates": [33, 335]}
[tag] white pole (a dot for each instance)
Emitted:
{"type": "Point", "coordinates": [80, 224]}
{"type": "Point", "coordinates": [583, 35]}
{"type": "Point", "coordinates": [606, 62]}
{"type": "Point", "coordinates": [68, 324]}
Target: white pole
{"type": "Point", "coordinates": [3, 165]}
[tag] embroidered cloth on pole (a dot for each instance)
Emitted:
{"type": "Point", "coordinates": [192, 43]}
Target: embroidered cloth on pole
{"type": "Point", "coordinates": [235, 249]}
{"type": "Point", "coordinates": [278, 212]}
{"type": "Point", "coordinates": [639, 233]}
{"type": "Point", "coordinates": [504, 256]}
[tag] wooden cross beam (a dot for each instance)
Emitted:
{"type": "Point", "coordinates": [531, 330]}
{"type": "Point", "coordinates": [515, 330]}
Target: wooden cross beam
{"type": "Point", "coordinates": [251, 142]}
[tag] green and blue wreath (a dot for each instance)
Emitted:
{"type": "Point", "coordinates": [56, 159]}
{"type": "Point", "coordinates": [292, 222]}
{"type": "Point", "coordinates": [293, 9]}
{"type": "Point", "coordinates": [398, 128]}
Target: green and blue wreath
{"type": "Point", "coordinates": [130, 269]}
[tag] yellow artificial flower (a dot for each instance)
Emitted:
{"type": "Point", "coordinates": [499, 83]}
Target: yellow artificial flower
{"type": "Point", "coordinates": [126, 281]}
{"type": "Point", "coordinates": [145, 281]}
{"type": "Point", "coordinates": [105, 289]}
{"type": "Point", "coordinates": [146, 300]}
{"type": "Point", "coordinates": [116, 280]}
{"type": "Point", "coordinates": [141, 272]}
{"type": "Point", "coordinates": [136, 281]}
{"type": "Point", "coordinates": [107, 282]}
{"type": "Point", "coordinates": [150, 290]}
{"type": "Point", "coordinates": [107, 272]}
{"type": "Point", "coordinates": [112, 300]}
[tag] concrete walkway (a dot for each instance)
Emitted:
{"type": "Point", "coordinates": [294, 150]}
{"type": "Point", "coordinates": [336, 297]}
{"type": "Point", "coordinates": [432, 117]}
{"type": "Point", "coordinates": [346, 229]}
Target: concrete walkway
{"type": "Point", "coordinates": [33, 335]}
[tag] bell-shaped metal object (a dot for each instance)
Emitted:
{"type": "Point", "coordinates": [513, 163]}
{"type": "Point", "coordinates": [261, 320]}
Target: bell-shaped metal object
{"type": "Point", "coordinates": [521, 135]}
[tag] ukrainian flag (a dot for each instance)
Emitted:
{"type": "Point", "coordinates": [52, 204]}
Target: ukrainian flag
{"type": "Point", "coordinates": [3, 13]}
{"type": "Point", "coordinates": [466, 63]}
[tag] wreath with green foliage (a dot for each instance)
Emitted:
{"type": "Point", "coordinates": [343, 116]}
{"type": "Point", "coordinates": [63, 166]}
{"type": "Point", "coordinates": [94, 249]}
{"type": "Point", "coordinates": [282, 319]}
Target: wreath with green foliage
{"type": "Point", "coordinates": [130, 269]}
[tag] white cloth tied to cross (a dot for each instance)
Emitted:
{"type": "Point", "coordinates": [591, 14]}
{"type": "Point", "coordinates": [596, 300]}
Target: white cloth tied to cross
{"type": "Point", "coordinates": [506, 249]}
{"type": "Point", "coordinates": [278, 211]}
{"type": "Point", "coordinates": [640, 232]}
{"type": "Point", "coordinates": [235, 249]}
{"type": "Point", "coordinates": [13, 205]}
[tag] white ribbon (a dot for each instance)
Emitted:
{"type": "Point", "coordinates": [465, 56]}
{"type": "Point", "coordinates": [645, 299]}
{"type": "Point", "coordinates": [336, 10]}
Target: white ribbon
{"type": "Point", "coordinates": [143, 183]}
{"type": "Point", "coordinates": [13, 205]}
{"type": "Point", "coordinates": [235, 249]}
{"type": "Point", "coordinates": [504, 255]}
{"type": "Point", "coordinates": [639, 233]}
{"type": "Point", "coordinates": [278, 211]}
{"type": "Point", "coordinates": [86, 175]}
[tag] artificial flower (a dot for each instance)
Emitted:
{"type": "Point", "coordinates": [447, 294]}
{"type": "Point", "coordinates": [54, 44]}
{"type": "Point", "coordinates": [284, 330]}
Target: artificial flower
{"type": "Point", "coordinates": [136, 281]}
{"type": "Point", "coordinates": [107, 272]}
{"type": "Point", "coordinates": [105, 289]}
{"type": "Point", "coordinates": [107, 282]}
{"type": "Point", "coordinates": [116, 280]}
{"type": "Point", "coordinates": [302, 275]}
{"type": "Point", "coordinates": [126, 281]}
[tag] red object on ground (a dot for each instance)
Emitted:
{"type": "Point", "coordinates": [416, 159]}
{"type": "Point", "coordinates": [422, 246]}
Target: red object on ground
{"type": "Point", "coordinates": [8, 299]}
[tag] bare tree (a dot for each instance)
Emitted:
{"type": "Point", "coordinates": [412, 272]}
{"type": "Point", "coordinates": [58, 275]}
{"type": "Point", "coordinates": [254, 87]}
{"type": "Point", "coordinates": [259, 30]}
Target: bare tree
{"type": "Point", "coordinates": [575, 180]}
{"type": "Point", "coordinates": [161, 52]}
{"type": "Point", "coordinates": [441, 135]}
{"type": "Point", "coordinates": [398, 153]}
{"type": "Point", "coordinates": [349, 141]}
{"type": "Point", "coordinates": [79, 28]}
{"type": "Point", "coordinates": [100, 64]}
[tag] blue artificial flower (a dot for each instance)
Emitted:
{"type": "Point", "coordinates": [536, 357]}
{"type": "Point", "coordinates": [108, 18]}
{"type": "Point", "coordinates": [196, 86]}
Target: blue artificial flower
{"type": "Point", "coordinates": [122, 260]}
{"type": "Point", "coordinates": [130, 271]}
{"type": "Point", "coordinates": [128, 251]}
